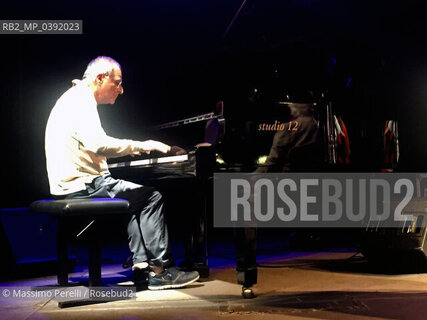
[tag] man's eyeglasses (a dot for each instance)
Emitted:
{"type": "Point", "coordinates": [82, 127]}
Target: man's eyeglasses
{"type": "Point", "coordinates": [118, 83]}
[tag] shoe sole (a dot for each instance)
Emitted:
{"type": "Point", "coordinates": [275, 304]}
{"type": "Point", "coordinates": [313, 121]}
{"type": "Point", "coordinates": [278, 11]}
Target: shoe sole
{"type": "Point", "coordinates": [172, 286]}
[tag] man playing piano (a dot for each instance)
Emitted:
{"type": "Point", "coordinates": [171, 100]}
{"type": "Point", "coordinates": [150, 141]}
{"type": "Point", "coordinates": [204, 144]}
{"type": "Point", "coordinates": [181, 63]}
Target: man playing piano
{"type": "Point", "coordinates": [76, 149]}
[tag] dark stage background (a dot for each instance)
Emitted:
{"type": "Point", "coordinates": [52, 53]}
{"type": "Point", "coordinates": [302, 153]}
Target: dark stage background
{"type": "Point", "coordinates": [178, 60]}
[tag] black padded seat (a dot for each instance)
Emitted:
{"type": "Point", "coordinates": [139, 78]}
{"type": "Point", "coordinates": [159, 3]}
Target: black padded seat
{"type": "Point", "coordinates": [63, 211]}
{"type": "Point", "coordinates": [79, 207]}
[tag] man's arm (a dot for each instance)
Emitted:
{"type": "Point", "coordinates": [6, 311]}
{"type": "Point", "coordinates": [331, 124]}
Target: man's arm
{"type": "Point", "coordinates": [112, 147]}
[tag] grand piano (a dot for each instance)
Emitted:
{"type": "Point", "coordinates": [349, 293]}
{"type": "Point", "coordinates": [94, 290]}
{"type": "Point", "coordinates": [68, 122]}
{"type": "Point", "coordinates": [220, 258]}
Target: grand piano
{"type": "Point", "coordinates": [190, 171]}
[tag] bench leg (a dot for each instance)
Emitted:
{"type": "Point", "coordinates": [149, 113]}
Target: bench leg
{"type": "Point", "coordinates": [62, 250]}
{"type": "Point", "coordinates": [94, 258]}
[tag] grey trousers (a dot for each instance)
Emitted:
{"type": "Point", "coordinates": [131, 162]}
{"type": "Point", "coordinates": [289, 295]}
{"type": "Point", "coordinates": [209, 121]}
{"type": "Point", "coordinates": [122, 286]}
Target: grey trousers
{"type": "Point", "coordinates": [147, 230]}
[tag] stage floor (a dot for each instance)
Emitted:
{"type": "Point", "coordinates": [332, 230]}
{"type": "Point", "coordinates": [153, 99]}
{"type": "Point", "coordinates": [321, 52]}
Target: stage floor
{"type": "Point", "coordinates": [296, 285]}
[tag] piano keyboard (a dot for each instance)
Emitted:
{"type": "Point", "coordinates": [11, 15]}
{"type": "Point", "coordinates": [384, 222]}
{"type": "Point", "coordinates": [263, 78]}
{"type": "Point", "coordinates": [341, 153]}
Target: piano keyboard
{"type": "Point", "coordinates": [149, 162]}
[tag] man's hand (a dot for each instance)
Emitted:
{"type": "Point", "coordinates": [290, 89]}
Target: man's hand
{"type": "Point", "coordinates": [177, 151]}
{"type": "Point", "coordinates": [151, 145]}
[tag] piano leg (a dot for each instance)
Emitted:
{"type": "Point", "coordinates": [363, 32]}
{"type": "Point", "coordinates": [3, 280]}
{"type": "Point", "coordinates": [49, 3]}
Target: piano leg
{"type": "Point", "coordinates": [196, 255]}
{"type": "Point", "coordinates": [195, 248]}
{"type": "Point", "coordinates": [246, 260]}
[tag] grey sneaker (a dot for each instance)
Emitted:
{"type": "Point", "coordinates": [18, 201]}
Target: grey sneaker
{"type": "Point", "coordinates": [171, 278]}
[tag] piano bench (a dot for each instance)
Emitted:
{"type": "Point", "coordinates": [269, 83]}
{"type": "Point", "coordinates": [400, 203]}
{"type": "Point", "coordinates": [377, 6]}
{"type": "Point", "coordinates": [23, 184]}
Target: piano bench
{"type": "Point", "coordinates": [64, 211]}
